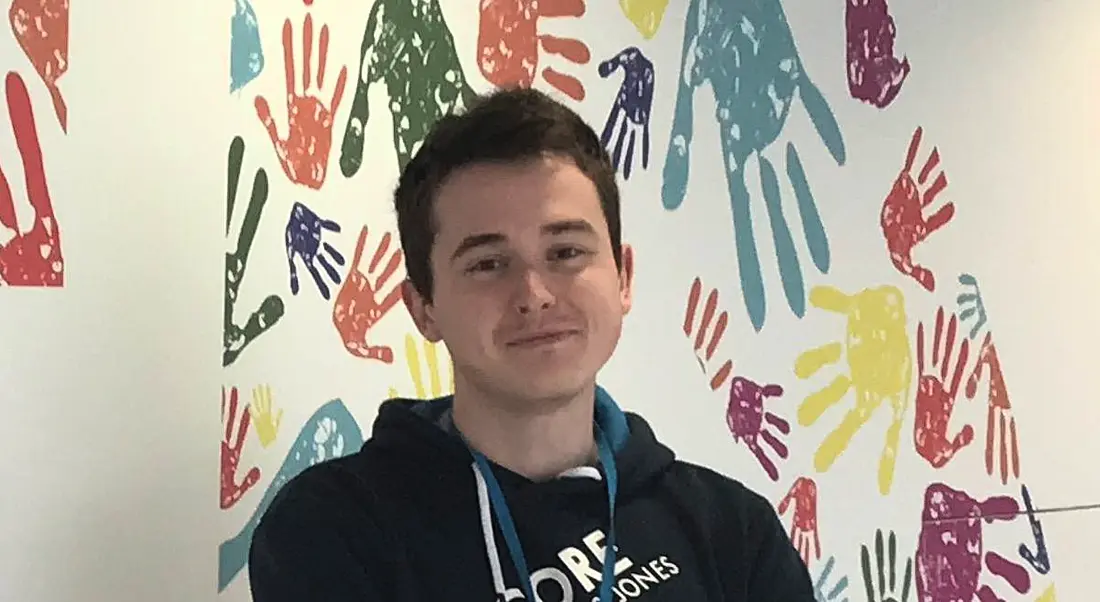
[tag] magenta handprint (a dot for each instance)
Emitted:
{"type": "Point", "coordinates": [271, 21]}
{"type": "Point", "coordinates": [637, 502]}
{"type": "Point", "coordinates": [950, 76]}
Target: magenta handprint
{"type": "Point", "coordinates": [231, 490]}
{"type": "Point", "coordinates": [950, 551]}
{"type": "Point", "coordinates": [751, 424]}
{"type": "Point", "coordinates": [937, 391]}
{"type": "Point", "coordinates": [875, 75]}
{"type": "Point", "coordinates": [804, 523]}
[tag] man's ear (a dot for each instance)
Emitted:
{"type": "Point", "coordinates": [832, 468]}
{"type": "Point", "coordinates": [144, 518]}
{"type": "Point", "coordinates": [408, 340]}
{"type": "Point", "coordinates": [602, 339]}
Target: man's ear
{"type": "Point", "coordinates": [421, 311]}
{"type": "Point", "coordinates": [626, 279]}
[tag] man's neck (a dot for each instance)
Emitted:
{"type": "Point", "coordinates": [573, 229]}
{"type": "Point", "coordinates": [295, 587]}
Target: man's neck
{"type": "Point", "coordinates": [537, 444]}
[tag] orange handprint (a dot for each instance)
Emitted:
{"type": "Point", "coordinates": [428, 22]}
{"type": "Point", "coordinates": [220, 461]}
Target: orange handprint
{"type": "Point", "coordinates": [508, 43]}
{"type": "Point", "coordinates": [1000, 416]}
{"type": "Point", "coordinates": [31, 257]}
{"type": "Point", "coordinates": [42, 29]}
{"type": "Point", "coordinates": [703, 356]}
{"type": "Point", "coordinates": [231, 491]}
{"type": "Point", "coordinates": [804, 522]}
{"type": "Point", "coordinates": [902, 219]}
{"type": "Point", "coordinates": [304, 153]}
{"type": "Point", "coordinates": [357, 307]}
{"type": "Point", "coordinates": [936, 398]}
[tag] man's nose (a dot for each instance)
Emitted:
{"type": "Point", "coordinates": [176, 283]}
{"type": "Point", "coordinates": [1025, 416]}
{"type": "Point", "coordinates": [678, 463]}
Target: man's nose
{"type": "Point", "coordinates": [532, 292]}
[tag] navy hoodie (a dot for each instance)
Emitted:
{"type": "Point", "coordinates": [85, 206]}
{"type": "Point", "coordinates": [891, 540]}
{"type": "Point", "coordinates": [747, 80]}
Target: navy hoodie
{"type": "Point", "coordinates": [410, 518]}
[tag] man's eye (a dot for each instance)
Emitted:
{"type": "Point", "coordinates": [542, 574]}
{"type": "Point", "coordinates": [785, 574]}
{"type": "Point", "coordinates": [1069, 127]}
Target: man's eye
{"type": "Point", "coordinates": [485, 265]}
{"type": "Point", "coordinates": [566, 253]}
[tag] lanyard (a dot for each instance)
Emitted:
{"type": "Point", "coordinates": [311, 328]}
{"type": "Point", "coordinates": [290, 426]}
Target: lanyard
{"type": "Point", "coordinates": [508, 528]}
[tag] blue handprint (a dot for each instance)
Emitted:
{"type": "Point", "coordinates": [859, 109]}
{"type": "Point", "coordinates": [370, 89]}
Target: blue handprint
{"type": "Point", "coordinates": [330, 433]}
{"type": "Point", "coordinates": [1040, 558]}
{"type": "Point", "coordinates": [631, 109]}
{"type": "Point", "coordinates": [246, 56]}
{"type": "Point", "coordinates": [971, 304]}
{"type": "Point", "coordinates": [303, 238]}
{"type": "Point", "coordinates": [747, 53]}
{"type": "Point", "coordinates": [833, 593]}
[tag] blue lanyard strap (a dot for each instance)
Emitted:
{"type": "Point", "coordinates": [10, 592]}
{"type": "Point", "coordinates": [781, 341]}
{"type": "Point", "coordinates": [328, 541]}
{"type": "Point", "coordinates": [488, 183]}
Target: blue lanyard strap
{"type": "Point", "coordinates": [511, 537]}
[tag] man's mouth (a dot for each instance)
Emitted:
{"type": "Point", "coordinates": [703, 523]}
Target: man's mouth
{"type": "Point", "coordinates": [547, 337]}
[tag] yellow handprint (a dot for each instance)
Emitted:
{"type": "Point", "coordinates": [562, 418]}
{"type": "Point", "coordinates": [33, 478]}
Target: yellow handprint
{"type": "Point", "coordinates": [431, 358]}
{"type": "Point", "coordinates": [266, 422]}
{"type": "Point", "coordinates": [1047, 595]}
{"type": "Point", "coordinates": [644, 14]}
{"type": "Point", "coordinates": [880, 366]}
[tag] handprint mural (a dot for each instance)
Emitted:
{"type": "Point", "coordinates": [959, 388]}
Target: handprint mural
{"type": "Point", "coordinates": [880, 369]}
{"type": "Point", "coordinates": [747, 53]}
{"type": "Point", "coordinates": [367, 297]}
{"type": "Point", "coordinates": [875, 75]}
{"type": "Point", "coordinates": [802, 500]}
{"type": "Point", "coordinates": [408, 45]}
{"type": "Point", "coordinates": [304, 232]}
{"type": "Point", "coordinates": [646, 15]}
{"type": "Point", "coordinates": [705, 330]}
{"type": "Point", "coordinates": [426, 369]}
{"type": "Point", "coordinates": [31, 256]}
{"type": "Point", "coordinates": [246, 54]}
{"type": "Point", "coordinates": [236, 421]}
{"type": "Point", "coordinates": [509, 44]}
{"type": "Point", "coordinates": [937, 391]}
{"type": "Point", "coordinates": [304, 152]}
{"type": "Point", "coordinates": [750, 423]}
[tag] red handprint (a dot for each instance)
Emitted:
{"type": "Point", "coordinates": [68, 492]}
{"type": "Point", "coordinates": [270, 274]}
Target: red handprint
{"type": "Point", "coordinates": [231, 491]}
{"type": "Point", "coordinates": [902, 218]}
{"type": "Point", "coordinates": [305, 151]}
{"type": "Point", "coordinates": [718, 377]}
{"type": "Point", "coordinates": [936, 397]}
{"type": "Point", "coordinates": [1000, 416]}
{"type": "Point", "coordinates": [746, 418]}
{"type": "Point", "coordinates": [804, 522]}
{"type": "Point", "coordinates": [357, 308]}
{"type": "Point", "coordinates": [31, 258]}
{"type": "Point", "coordinates": [42, 29]}
{"type": "Point", "coordinates": [508, 43]}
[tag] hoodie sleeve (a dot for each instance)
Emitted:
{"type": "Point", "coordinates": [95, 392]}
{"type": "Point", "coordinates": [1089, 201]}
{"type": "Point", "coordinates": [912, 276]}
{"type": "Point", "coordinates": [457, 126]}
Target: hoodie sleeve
{"type": "Point", "coordinates": [304, 550]}
{"type": "Point", "coordinates": [777, 571]}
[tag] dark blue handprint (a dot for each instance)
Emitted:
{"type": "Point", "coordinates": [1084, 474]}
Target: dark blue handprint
{"type": "Point", "coordinates": [303, 238]}
{"type": "Point", "coordinates": [747, 53]}
{"type": "Point", "coordinates": [330, 433]}
{"type": "Point", "coordinates": [971, 305]}
{"type": "Point", "coordinates": [1040, 558]}
{"type": "Point", "coordinates": [631, 109]}
{"type": "Point", "coordinates": [246, 56]}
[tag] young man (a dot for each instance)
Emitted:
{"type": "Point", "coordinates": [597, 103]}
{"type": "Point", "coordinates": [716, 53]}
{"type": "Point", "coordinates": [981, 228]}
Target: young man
{"type": "Point", "coordinates": [529, 483]}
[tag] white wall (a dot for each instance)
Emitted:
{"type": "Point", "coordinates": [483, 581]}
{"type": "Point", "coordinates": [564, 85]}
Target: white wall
{"type": "Point", "coordinates": [110, 383]}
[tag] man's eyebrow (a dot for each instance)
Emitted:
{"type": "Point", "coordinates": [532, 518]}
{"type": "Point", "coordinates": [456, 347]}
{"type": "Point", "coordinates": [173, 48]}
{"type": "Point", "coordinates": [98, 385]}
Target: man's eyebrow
{"type": "Point", "coordinates": [570, 225]}
{"type": "Point", "coordinates": [474, 241]}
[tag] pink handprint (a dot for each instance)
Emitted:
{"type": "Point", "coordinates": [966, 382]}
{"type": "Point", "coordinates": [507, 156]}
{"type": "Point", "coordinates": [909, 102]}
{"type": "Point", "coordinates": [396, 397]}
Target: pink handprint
{"type": "Point", "coordinates": [902, 218]}
{"type": "Point", "coordinates": [305, 151]}
{"type": "Point", "coordinates": [231, 491]}
{"type": "Point", "coordinates": [949, 550]}
{"type": "Point", "coordinates": [936, 395]}
{"type": "Point", "coordinates": [748, 421]}
{"type": "Point", "coordinates": [804, 522]}
{"type": "Point", "coordinates": [508, 43]}
{"type": "Point", "coordinates": [1000, 418]}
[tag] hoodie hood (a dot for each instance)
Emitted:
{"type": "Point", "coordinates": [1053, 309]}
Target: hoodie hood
{"type": "Point", "coordinates": [423, 432]}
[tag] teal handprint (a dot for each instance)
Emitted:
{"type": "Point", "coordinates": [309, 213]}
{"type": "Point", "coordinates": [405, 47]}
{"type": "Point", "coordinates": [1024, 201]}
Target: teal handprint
{"type": "Point", "coordinates": [330, 433]}
{"type": "Point", "coordinates": [971, 305]}
{"type": "Point", "coordinates": [246, 56]}
{"type": "Point", "coordinates": [747, 53]}
{"type": "Point", "coordinates": [823, 591]}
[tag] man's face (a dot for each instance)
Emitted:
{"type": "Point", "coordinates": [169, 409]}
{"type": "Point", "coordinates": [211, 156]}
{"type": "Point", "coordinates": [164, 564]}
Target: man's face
{"type": "Point", "coordinates": [527, 296]}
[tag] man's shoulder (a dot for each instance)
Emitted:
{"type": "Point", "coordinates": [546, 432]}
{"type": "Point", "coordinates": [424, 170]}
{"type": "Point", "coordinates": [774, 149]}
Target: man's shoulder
{"type": "Point", "coordinates": [716, 493]}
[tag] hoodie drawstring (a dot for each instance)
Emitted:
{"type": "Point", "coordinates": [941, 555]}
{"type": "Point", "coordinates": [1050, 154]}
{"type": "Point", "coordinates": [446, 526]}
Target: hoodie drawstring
{"type": "Point", "coordinates": [491, 501]}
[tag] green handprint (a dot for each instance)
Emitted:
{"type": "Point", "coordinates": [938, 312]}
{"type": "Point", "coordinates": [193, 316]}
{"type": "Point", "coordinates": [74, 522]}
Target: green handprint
{"type": "Point", "coordinates": [887, 571]}
{"type": "Point", "coordinates": [234, 337]}
{"type": "Point", "coordinates": [407, 43]}
{"type": "Point", "coordinates": [746, 51]}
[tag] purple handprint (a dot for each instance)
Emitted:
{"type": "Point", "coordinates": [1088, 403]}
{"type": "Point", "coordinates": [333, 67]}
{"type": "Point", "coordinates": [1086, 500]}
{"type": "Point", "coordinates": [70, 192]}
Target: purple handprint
{"type": "Point", "coordinates": [303, 238]}
{"type": "Point", "coordinates": [949, 552]}
{"type": "Point", "coordinates": [875, 75]}
{"type": "Point", "coordinates": [631, 109]}
{"type": "Point", "coordinates": [746, 419]}
{"type": "Point", "coordinates": [1040, 558]}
